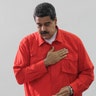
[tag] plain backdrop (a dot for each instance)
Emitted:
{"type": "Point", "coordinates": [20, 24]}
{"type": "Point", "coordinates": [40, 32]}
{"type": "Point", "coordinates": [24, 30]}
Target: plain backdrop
{"type": "Point", "coordinates": [16, 21]}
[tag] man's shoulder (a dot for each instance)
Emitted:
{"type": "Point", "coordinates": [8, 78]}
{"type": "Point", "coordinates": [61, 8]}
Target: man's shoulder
{"type": "Point", "coordinates": [32, 36]}
{"type": "Point", "coordinates": [69, 35]}
{"type": "Point", "coordinates": [29, 38]}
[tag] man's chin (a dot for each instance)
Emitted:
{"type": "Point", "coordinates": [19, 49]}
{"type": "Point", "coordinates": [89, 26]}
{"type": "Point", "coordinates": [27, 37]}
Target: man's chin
{"type": "Point", "coordinates": [45, 37]}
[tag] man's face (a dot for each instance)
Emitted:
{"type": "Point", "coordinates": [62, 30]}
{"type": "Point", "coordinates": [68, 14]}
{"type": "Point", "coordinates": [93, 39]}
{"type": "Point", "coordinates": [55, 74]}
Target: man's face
{"type": "Point", "coordinates": [46, 26]}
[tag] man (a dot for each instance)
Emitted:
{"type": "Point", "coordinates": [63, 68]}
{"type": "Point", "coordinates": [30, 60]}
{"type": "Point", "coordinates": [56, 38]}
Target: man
{"type": "Point", "coordinates": [51, 61]}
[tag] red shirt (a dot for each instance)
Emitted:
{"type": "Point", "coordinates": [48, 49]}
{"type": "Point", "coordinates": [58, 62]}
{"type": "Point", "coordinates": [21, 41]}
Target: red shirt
{"type": "Point", "coordinates": [75, 70]}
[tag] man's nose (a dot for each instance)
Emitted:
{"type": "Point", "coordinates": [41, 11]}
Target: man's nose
{"type": "Point", "coordinates": [43, 28]}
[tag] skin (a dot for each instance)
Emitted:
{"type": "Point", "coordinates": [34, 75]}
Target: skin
{"type": "Point", "coordinates": [48, 26]}
{"type": "Point", "coordinates": [64, 92]}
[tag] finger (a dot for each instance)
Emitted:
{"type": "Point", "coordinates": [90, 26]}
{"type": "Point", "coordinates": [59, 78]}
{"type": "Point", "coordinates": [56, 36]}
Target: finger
{"type": "Point", "coordinates": [62, 51]}
{"type": "Point", "coordinates": [65, 50]}
{"type": "Point", "coordinates": [52, 49]}
{"type": "Point", "coordinates": [61, 57]}
{"type": "Point", "coordinates": [64, 56]}
{"type": "Point", "coordinates": [62, 93]}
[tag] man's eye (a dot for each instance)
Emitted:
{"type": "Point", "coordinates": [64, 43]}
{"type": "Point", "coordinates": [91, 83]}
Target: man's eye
{"type": "Point", "coordinates": [39, 25]}
{"type": "Point", "coordinates": [47, 24]}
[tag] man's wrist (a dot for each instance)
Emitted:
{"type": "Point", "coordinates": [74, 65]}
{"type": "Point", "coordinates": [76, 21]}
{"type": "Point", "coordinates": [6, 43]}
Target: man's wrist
{"type": "Point", "coordinates": [46, 62]}
{"type": "Point", "coordinates": [71, 90]}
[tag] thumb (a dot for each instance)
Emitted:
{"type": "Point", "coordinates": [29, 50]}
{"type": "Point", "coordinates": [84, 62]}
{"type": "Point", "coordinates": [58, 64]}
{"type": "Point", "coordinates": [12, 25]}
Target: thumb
{"type": "Point", "coordinates": [52, 49]}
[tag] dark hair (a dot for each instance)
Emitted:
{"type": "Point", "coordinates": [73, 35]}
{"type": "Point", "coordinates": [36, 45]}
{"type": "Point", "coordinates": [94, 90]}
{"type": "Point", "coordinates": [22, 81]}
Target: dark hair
{"type": "Point", "coordinates": [45, 9]}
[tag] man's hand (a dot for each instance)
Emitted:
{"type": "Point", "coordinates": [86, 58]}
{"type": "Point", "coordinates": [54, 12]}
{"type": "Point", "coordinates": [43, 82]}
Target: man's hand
{"type": "Point", "coordinates": [55, 56]}
{"type": "Point", "coordinates": [65, 91]}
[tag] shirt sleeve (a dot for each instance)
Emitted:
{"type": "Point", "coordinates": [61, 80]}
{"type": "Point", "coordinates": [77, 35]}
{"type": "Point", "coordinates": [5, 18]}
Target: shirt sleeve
{"type": "Point", "coordinates": [24, 72]}
{"type": "Point", "coordinates": [85, 72]}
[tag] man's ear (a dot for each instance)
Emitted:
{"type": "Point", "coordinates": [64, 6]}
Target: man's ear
{"type": "Point", "coordinates": [55, 20]}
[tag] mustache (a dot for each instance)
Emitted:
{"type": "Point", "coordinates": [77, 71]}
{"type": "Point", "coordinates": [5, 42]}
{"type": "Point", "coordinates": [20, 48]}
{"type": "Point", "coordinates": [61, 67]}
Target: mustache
{"type": "Point", "coordinates": [44, 32]}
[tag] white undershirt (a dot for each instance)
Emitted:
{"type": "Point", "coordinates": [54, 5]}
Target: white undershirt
{"type": "Point", "coordinates": [51, 39]}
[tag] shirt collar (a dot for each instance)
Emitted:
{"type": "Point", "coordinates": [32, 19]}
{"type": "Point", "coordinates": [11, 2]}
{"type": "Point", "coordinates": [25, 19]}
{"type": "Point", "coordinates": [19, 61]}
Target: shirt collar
{"type": "Point", "coordinates": [40, 40]}
{"type": "Point", "coordinates": [58, 37]}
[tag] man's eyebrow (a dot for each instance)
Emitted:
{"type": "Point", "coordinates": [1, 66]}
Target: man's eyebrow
{"type": "Point", "coordinates": [48, 22]}
{"type": "Point", "coordinates": [38, 23]}
{"type": "Point", "coordinates": [44, 23]}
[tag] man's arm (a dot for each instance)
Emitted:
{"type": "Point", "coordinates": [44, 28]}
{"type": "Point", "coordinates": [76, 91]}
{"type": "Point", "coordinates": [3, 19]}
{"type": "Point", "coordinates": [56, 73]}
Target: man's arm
{"type": "Point", "coordinates": [26, 72]}
{"type": "Point", "coordinates": [86, 73]}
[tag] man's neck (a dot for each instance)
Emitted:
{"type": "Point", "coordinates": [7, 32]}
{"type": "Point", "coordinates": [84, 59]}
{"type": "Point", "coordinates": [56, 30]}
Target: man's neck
{"type": "Point", "coordinates": [51, 39]}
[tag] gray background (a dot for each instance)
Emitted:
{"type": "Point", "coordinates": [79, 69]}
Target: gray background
{"type": "Point", "coordinates": [16, 21]}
